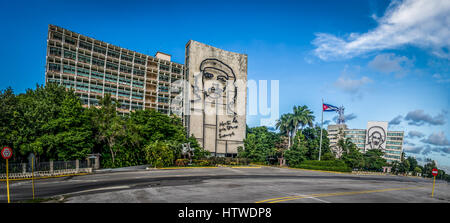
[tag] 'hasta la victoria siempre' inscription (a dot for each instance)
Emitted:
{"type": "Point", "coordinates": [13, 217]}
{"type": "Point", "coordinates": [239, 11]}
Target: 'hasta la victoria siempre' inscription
{"type": "Point", "coordinates": [226, 128]}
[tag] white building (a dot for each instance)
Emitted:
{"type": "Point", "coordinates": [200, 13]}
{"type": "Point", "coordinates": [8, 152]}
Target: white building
{"type": "Point", "coordinates": [376, 136]}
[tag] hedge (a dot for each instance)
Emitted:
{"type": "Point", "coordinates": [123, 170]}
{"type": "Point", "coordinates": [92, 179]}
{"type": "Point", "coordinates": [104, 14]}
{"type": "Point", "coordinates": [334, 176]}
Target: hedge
{"type": "Point", "coordinates": [328, 165]}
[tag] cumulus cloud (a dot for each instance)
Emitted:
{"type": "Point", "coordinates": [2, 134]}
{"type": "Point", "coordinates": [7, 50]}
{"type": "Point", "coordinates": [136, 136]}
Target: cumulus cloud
{"type": "Point", "coordinates": [415, 134]}
{"type": "Point", "coordinates": [419, 118]}
{"type": "Point", "coordinates": [437, 139]}
{"type": "Point", "coordinates": [406, 142]}
{"type": "Point", "coordinates": [441, 78]}
{"type": "Point", "coordinates": [445, 150]}
{"type": "Point", "coordinates": [413, 149]}
{"type": "Point", "coordinates": [390, 63]}
{"type": "Point", "coordinates": [352, 86]}
{"type": "Point", "coordinates": [427, 150]}
{"type": "Point", "coordinates": [396, 121]}
{"type": "Point", "coordinates": [421, 23]}
{"type": "Point", "coordinates": [347, 117]}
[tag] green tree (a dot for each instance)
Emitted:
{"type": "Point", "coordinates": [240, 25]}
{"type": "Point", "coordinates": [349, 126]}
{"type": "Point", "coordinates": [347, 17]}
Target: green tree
{"type": "Point", "coordinates": [417, 170]}
{"type": "Point", "coordinates": [50, 122]}
{"type": "Point", "coordinates": [374, 160]}
{"type": "Point", "coordinates": [159, 154]}
{"type": "Point", "coordinates": [428, 168]}
{"type": "Point", "coordinates": [302, 116]}
{"type": "Point", "coordinates": [312, 143]}
{"type": "Point", "coordinates": [109, 128]}
{"type": "Point", "coordinates": [285, 125]}
{"type": "Point", "coordinates": [8, 111]}
{"type": "Point", "coordinates": [404, 166]}
{"type": "Point", "coordinates": [344, 145]}
{"type": "Point", "coordinates": [297, 153]}
{"type": "Point", "coordinates": [260, 144]}
{"type": "Point", "coordinates": [412, 163]}
{"type": "Point", "coordinates": [351, 154]}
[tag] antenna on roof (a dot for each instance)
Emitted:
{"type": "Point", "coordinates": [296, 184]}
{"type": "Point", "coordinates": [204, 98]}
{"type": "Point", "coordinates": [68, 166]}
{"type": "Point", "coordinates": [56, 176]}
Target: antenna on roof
{"type": "Point", "coordinates": [341, 118]}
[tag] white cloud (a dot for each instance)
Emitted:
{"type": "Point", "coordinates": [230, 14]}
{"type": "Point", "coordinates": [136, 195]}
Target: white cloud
{"type": "Point", "coordinates": [422, 23]}
{"type": "Point", "coordinates": [442, 78]}
{"type": "Point", "coordinates": [351, 86]}
{"type": "Point", "coordinates": [438, 139]}
{"type": "Point", "coordinates": [419, 117]}
{"type": "Point", "coordinates": [390, 63]}
{"type": "Point", "coordinates": [415, 134]}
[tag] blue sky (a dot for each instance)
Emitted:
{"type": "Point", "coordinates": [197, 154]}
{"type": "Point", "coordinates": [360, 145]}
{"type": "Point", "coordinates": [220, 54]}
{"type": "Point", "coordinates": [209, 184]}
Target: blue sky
{"type": "Point", "coordinates": [382, 60]}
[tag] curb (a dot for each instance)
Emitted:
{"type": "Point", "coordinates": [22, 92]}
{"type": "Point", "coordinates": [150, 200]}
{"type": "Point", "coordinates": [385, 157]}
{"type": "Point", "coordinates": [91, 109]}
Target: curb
{"type": "Point", "coordinates": [46, 177]}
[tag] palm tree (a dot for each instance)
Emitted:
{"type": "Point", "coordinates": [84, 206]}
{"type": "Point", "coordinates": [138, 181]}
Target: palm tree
{"type": "Point", "coordinates": [302, 116]}
{"type": "Point", "coordinates": [284, 124]}
{"type": "Point", "coordinates": [344, 146]}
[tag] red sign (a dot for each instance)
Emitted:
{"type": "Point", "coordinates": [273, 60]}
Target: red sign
{"type": "Point", "coordinates": [434, 172]}
{"type": "Point", "coordinates": [6, 152]}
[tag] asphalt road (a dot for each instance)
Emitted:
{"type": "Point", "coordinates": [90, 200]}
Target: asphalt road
{"type": "Point", "coordinates": [230, 185]}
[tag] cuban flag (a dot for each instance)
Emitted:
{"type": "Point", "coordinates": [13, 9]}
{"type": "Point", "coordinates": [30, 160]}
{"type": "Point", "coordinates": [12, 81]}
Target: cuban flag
{"type": "Point", "coordinates": [327, 107]}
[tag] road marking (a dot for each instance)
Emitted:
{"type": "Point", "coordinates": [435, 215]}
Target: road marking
{"type": "Point", "coordinates": [282, 199]}
{"type": "Point", "coordinates": [314, 198]}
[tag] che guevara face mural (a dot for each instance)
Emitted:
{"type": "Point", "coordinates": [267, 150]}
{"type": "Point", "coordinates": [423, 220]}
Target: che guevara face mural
{"type": "Point", "coordinates": [218, 80]}
{"type": "Point", "coordinates": [376, 137]}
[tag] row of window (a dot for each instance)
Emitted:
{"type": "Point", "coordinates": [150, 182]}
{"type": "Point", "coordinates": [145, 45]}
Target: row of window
{"type": "Point", "coordinates": [95, 74]}
{"type": "Point", "coordinates": [355, 132]}
{"type": "Point", "coordinates": [356, 136]}
{"type": "Point", "coordinates": [163, 78]}
{"type": "Point", "coordinates": [394, 147]}
{"type": "Point", "coordinates": [393, 143]}
{"type": "Point", "coordinates": [98, 88]}
{"type": "Point", "coordinates": [394, 134]}
{"type": "Point", "coordinates": [393, 152]}
{"type": "Point", "coordinates": [394, 138]}
{"type": "Point", "coordinates": [167, 68]}
{"type": "Point", "coordinates": [358, 140]}
{"type": "Point", "coordinates": [163, 88]}
{"type": "Point", "coordinates": [392, 156]}
{"type": "Point", "coordinates": [98, 49]}
{"type": "Point", "coordinates": [163, 99]}
{"type": "Point", "coordinates": [87, 59]}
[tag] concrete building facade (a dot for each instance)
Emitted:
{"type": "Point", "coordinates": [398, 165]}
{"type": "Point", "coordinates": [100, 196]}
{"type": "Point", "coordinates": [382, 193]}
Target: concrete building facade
{"type": "Point", "coordinates": [93, 68]}
{"type": "Point", "coordinates": [376, 136]}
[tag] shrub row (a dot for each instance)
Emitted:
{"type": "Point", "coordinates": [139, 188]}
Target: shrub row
{"type": "Point", "coordinates": [326, 168]}
{"type": "Point", "coordinates": [213, 161]}
{"type": "Point", "coordinates": [327, 165]}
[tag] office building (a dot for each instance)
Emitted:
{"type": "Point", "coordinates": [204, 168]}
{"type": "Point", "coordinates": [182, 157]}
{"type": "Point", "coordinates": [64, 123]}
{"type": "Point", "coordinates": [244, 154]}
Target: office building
{"type": "Point", "coordinates": [93, 68]}
{"type": "Point", "coordinates": [376, 136]}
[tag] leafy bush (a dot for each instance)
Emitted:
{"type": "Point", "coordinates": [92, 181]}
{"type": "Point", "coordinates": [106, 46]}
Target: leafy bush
{"type": "Point", "coordinates": [227, 161]}
{"type": "Point", "coordinates": [181, 162]}
{"type": "Point", "coordinates": [329, 165]}
{"type": "Point", "coordinates": [202, 163]}
{"type": "Point", "coordinates": [159, 154]}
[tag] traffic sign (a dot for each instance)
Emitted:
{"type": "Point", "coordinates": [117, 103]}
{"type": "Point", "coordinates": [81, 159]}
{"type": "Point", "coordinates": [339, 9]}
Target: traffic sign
{"type": "Point", "coordinates": [6, 152]}
{"type": "Point", "coordinates": [434, 172]}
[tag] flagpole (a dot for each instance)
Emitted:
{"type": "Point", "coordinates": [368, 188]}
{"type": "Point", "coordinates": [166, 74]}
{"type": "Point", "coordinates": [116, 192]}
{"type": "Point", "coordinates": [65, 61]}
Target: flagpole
{"type": "Point", "coordinates": [321, 127]}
